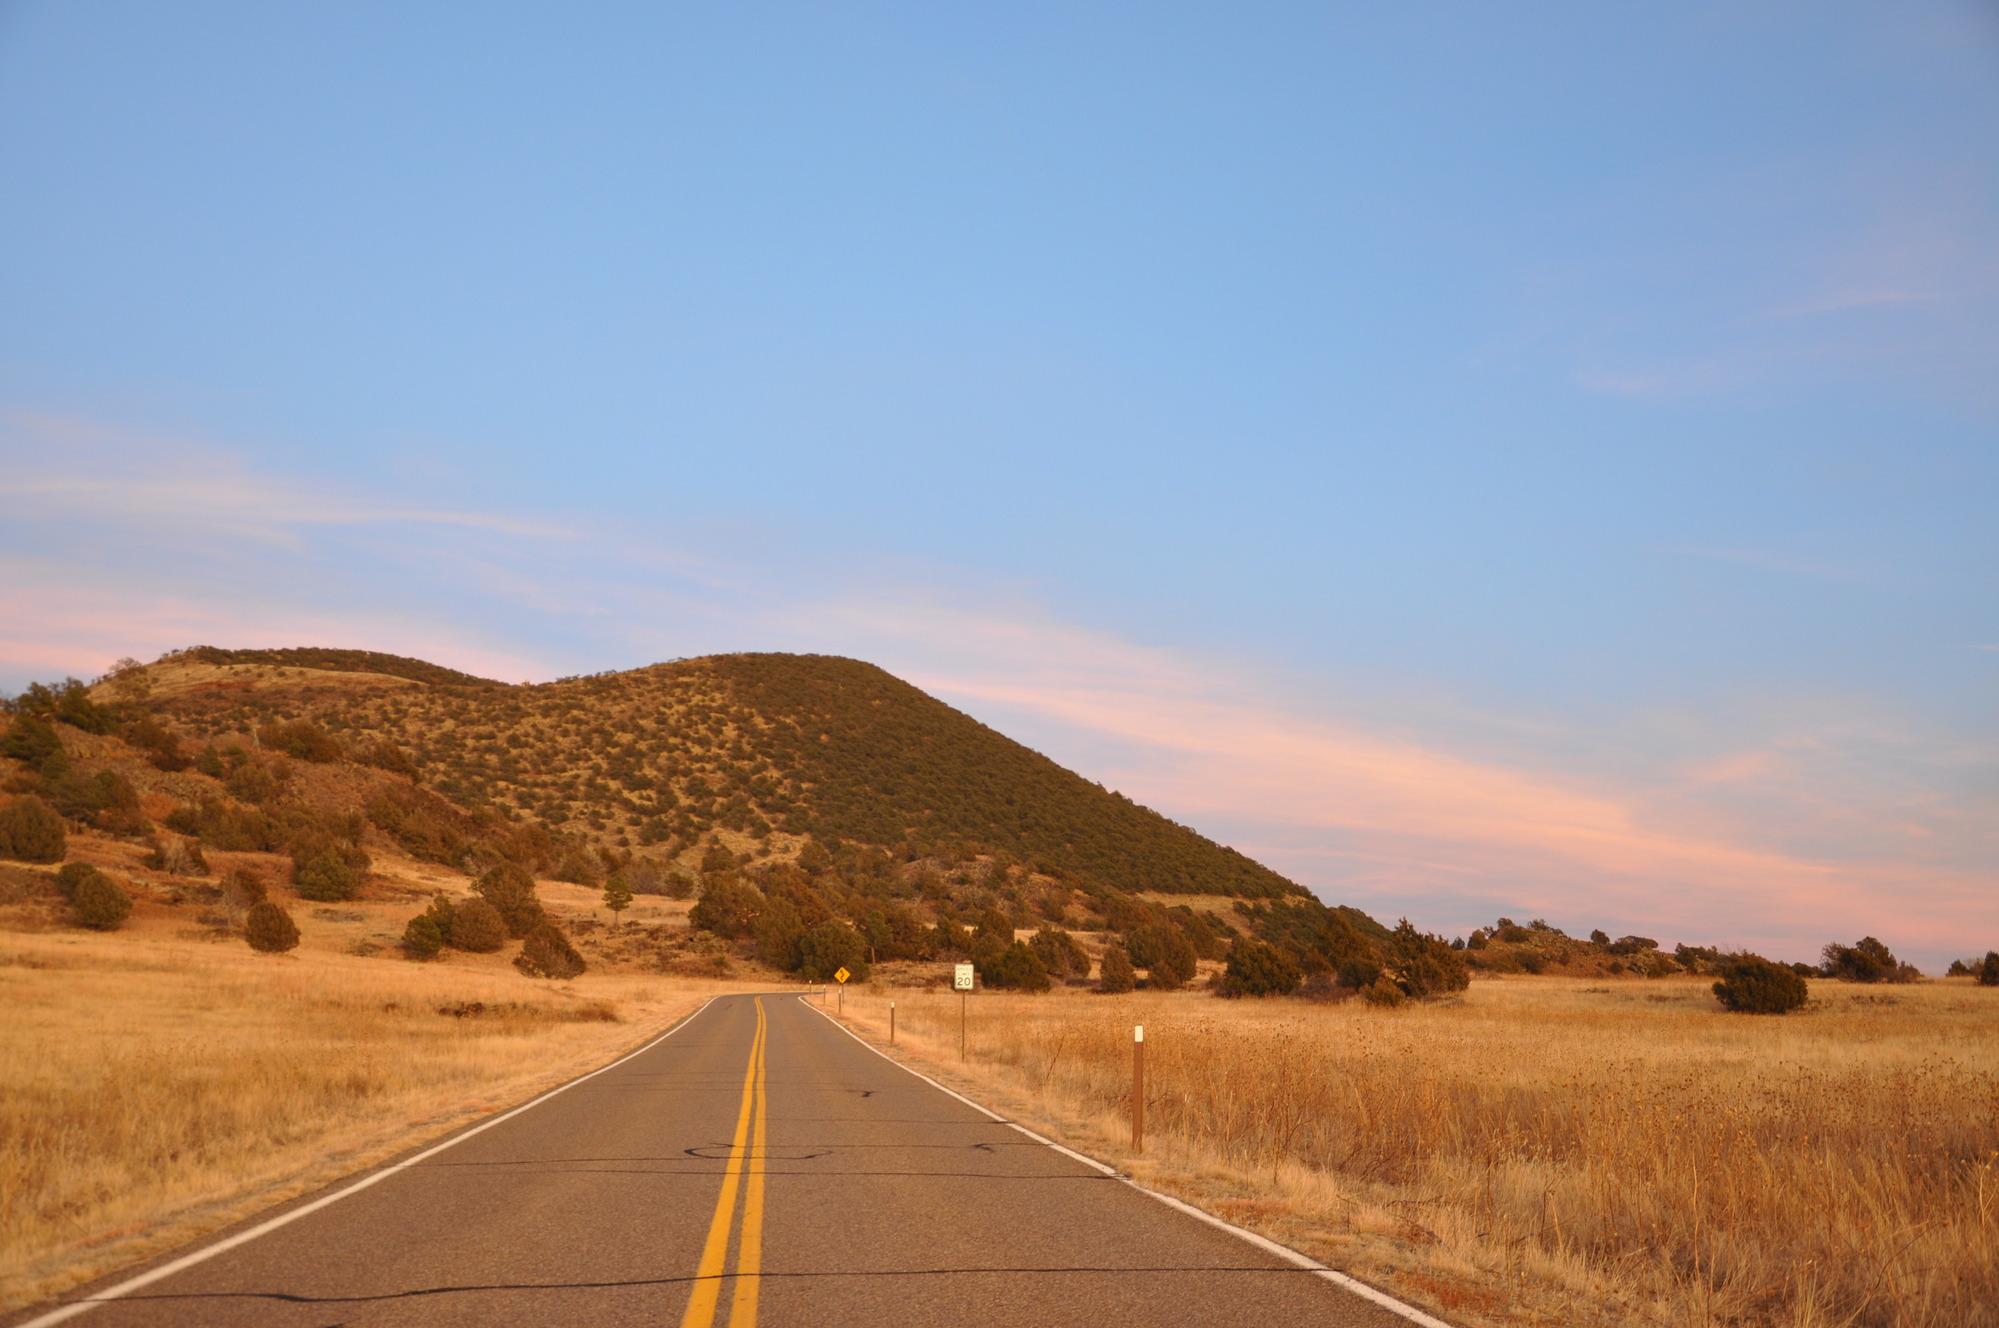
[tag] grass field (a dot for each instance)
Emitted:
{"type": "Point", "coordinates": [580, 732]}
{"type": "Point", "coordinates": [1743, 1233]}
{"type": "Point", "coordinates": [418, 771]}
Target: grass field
{"type": "Point", "coordinates": [1546, 1150]}
{"type": "Point", "coordinates": [153, 1089]}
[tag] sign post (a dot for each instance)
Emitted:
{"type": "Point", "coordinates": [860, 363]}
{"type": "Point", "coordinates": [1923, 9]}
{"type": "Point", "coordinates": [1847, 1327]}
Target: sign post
{"type": "Point", "coordinates": [962, 979]}
{"type": "Point", "coordinates": [1138, 1088]}
{"type": "Point", "coordinates": [841, 978]}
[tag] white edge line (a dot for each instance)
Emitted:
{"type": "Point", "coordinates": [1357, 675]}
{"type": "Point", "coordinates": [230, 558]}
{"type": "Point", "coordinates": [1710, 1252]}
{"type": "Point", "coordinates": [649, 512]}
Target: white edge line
{"type": "Point", "coordinates": [129, 1285]}
{"type": "Point", "coordinates": [1264, 1243]}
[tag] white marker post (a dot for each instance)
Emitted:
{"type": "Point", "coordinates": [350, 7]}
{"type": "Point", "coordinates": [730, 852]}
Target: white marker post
{"type": "Point", "coordinates": [891, 1023]}
{"type": "Point", "coordinates": [1138, 1088]}
{"type": "Point", "coordinates": [962, 979]}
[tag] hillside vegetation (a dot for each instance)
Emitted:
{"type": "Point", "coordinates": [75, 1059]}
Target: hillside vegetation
{"type": "Point", "coordinates": [827, 814]}
{"type": "Point", "coordinates": [749, 745]}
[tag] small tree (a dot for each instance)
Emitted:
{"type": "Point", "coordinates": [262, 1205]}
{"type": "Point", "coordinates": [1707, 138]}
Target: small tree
{"type": "Point", "coordinates": [30, 831]}
{"type": "Point", "coordinates": [1256, 969]}
{"type": "Point", "coordinates": [1988, 972]}
{"type": "Point", "coordinates": [510, 889]}
{"type": "Point", "coordinates": [269, 928]}
{"type": "Point", "coordinates": [422, 938]}
{"type": "Point", "coordinates": [1866, 960]}
{"type": "Point", "coordinates": [1058, 952]}
{"type": "Point", "coordinates": [617, 896]}
{"type": "Point", "coordinates": [1017, 968]}
{"type": "Point", "coordinates": [726, 908]}
{"type": "Point", "coordinates": [829, 947]}
{"type": "Point", "coordinates": [1425, 965]}
{"type": "Point", "coordinates": [1751, 984]}
{"type": "Point", "coordinates": [1173, 963]}
{"type": "Point", "coordinates": [547, 953]}
{"type": "Point", "coordinates": [71, 876]}
{"type": "Point", "coordinates": [328, 870]}
{"type": "Point", "coordinates": [32, 739]}
{"type": "Point", "coordinates": [477, 927]}
{"type": "Point", "coordinates": [99, 903]}
{"type": "Point", "coordinates": [1115, 974]}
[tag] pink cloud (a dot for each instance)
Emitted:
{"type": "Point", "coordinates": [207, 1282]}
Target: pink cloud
{"type": "Point", "coordinates": [1388, 822]}
{"type": "Point", "coordinates": [84, 631]}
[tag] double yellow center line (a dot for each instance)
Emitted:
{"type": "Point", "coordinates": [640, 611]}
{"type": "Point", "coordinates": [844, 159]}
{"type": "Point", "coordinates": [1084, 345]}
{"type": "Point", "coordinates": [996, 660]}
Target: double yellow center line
{"type": "Point", "coordinates": [745, 1153]}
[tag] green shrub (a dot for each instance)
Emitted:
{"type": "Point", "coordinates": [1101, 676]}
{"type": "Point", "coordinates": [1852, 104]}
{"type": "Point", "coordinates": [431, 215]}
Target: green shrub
{"type": "Point", "coordinates": [1059, 954]}
{"type": "Point", "coordinates": [617, 895]}
{"type": "Point", "coordinates": [1866, 960]}
{"type": "Point", "coordinates": [99, 903]}
{"type": "Point", "coordinates": [67, 702]}
{"type": "Point", "coordinates": [328, 870]}
{"type": "Point", "coordinates": [32, 739]}
{"type": "Point", "coordinates": [71, 876]}
{"type": "Point", "coordinates": [1425, 965]}
{"type": "Point", "coordinates": [302, 739]}
{"type": "Point", "coordinates": [1359, 972]}
{"type": "Point", "coordinates": [1017, 968]}
{"type": "Point", "coordinates": [30, 831]}
{"type": "Point", "coordinates": [510, 889]}
{"type": "Point", "coordinates": [1115, 974]}
{"type": "Point", "coordinates": [1384, 994]}
{"type": "Point", "coordinates": [726, 907]}
{"type": "Point", "coordinates": [1988, 972]}
{"type": "Point", "coordinates": [161, 744]}
{"type": "Point", "coordinates": [476, 926]}
{"type": "Point", "coordinates": [269, 928]}
{"type": "Point", "coordinates": [1257, 969]}
{"type": "Point", "coordinates": [422, 938]}
{"type": "Point", "coordinates": [547, 953]}
{"type": "Point", "coordinates": [779, 933]}
{"type": "Point", "coordinates": [105, 796]}
{"type": "Point", "coordinates": [827, 948]}
{"type": "Point", "coordinates": [427, 827]}
{"type": "Point", "coordinates": [385, 755]}
{"type": "Point", "coordinates": [1172, 963]}
{"type": "Point", "coordinates": [1751, 984]}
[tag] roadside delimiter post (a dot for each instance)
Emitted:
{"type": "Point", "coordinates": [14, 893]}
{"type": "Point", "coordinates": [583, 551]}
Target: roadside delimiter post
{"type": "Point", "coordinates": [891, 1023]}
{"type": "Point", "coordinates": [1138, 1088]}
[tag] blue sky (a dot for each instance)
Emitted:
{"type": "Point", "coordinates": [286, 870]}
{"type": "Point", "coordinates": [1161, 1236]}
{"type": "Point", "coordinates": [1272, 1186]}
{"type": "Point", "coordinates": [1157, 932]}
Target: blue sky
{"type": "Point", "coordinates": [1528, 460]}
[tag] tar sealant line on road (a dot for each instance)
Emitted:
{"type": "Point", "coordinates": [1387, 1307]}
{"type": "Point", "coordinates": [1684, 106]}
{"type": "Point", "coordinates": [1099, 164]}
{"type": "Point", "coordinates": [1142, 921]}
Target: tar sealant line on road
{"type": "Point", "coordinates": [64, 1313]}
{"type": "Point", "coordinates": [1342, 1280]}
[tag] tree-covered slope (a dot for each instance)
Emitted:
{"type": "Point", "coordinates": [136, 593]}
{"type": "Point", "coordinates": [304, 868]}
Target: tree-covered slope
{"type": "Point", "coordinates": [765, 747]}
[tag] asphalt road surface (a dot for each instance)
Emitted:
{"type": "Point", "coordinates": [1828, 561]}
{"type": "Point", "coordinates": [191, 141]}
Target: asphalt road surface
{"type": "Point", "coordinates": [757, 1163]}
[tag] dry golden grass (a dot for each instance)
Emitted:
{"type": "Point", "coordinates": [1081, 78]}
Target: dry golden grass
{"type": "Point", "coordinates": [1544, 1150]}
{"type": "Point", "coordinates": [154, 1088]}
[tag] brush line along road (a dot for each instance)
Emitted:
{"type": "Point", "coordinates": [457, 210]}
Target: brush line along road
{"type": "Point", "coordinates": [848, 1190]}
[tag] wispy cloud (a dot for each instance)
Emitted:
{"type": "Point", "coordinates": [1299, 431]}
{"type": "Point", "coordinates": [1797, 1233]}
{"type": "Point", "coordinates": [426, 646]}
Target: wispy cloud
{"type": "Point", "coordinates": [1773, 839]}
{"type": "Point", "coordinates": [148, 479]}
{"type": "Point", "coordinates": [83, 630]}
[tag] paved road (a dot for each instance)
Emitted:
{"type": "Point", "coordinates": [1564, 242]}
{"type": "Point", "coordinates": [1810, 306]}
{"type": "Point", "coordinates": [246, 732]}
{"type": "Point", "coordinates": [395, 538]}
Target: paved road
{"type": "Point", "coordinates": [759, 1163]}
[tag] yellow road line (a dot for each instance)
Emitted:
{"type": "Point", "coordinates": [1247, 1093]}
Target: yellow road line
{"type": "Point", "coordinates": [750, 1252]}
{"type": "Point", "coordinates": [715, 1250]}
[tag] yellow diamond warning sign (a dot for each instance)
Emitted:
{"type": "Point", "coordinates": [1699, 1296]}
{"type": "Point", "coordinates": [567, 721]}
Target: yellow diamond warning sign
{"type": "Point", "coordinates": [842, 975]}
